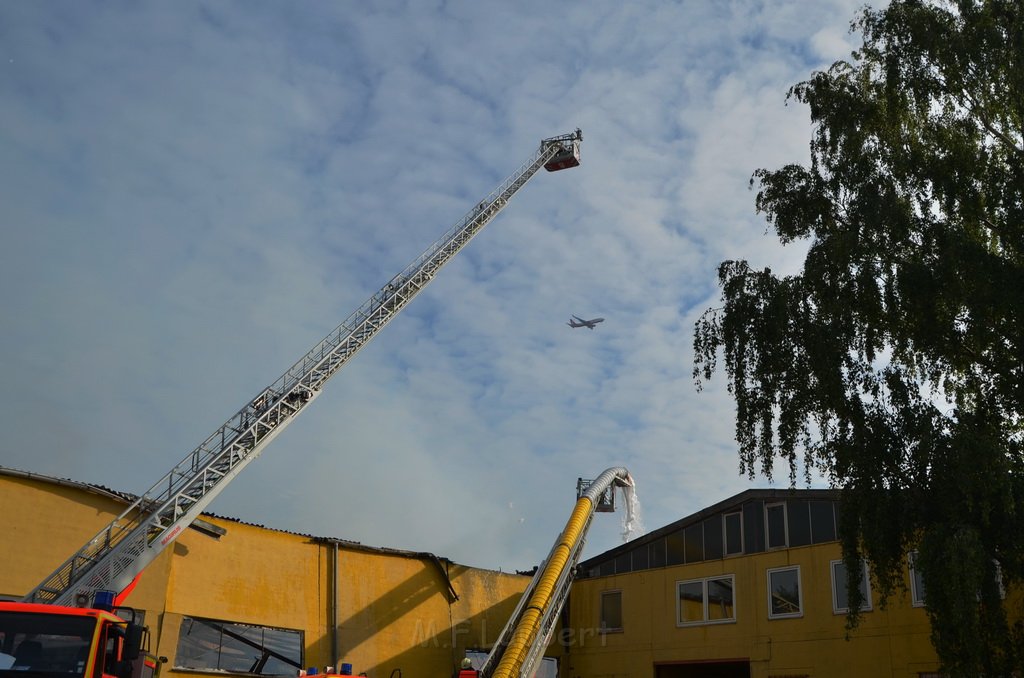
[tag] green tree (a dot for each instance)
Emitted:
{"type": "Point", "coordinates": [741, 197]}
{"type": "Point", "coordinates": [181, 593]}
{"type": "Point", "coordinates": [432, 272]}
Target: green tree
{"type": "Point", "coordinates": [894, 361]}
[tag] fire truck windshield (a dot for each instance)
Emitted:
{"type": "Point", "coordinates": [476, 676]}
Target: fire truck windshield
{"type": "Point", "coordinates": [44, 644]}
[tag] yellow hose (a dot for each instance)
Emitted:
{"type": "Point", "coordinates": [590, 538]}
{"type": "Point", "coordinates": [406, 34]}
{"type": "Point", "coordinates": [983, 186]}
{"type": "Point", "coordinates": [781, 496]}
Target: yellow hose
{"type": "Point", "coordinates": [527, 627]}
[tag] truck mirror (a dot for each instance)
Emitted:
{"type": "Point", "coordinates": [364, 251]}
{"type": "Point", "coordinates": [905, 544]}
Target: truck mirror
{"type": "Point", "coordinates": [133, 642]}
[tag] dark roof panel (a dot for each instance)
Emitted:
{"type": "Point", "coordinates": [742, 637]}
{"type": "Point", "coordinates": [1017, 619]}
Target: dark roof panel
{"type": "Point", "coordinates": [734, 502]}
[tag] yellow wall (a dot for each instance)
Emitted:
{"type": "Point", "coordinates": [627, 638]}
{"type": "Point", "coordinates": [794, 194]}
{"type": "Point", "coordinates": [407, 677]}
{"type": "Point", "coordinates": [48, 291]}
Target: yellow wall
{"type": "Point", "coordinates": [395, 613]}
{"type": "Point", "coordinates": [888, 642]}
{"type": "Point", "coordinates": [45, 522]}
{"type": "Point", "coordinates": [40, 520]}
{"type": "Point", "coordinates": [393, 608]}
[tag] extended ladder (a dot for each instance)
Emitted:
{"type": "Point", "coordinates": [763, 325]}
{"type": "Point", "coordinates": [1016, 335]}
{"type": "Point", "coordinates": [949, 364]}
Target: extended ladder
{"type": "Point", "coordinates": [526, 636]}
{"type": "Point", "coordinates": [119, 553]}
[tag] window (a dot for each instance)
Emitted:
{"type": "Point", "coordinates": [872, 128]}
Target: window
{"type": "Point", "coordinates": [775, 524]}
{"type": "Point", "coordinates": [640, 558]}
{"type": "Point", "coordinates": [916, 582]}
{"type": "Point", "coordinates": [753, 526]}
{"type": "Point", "coordinates": [840, 601]}
{"type": "Point", "coordinates": [656, 551]}
{"type": "Point", "coordinates": [676, 547]}
{"type": "Point", "coordinates": [784, 593]}
{"type": "Point", "coordinates": [206, 644]}
{"type": "Point", "coordinates": [693, 543]}
{"type": "Point", "coordinates": [611, 611]}
{"type": "Point", "coordinates": [733, 533]}
{"type": "Point", "coordinates": [917, 587]}
{"type": "Point", "coordinates": [713, 537]}
{"type": "Point", "coordinates": [798, 523]}
{"type": "Point", "coordinates": [41, 644]}
{"type": "Point", "coordinates": [546, 668]}
{"type": "Point", "coordinates": [823, 522]}
{"type": "Point", "coordinates": [705, 601]}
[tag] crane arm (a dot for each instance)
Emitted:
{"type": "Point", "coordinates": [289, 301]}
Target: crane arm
{"type": "Point", "coordinates": [527, 634]}
{"type": "Point", "coordinates": [121, 550]}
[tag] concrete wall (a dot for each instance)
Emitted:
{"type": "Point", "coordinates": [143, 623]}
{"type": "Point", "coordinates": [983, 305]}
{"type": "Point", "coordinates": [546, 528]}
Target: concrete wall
{"type": "Point", "coordinates": [394, 609]}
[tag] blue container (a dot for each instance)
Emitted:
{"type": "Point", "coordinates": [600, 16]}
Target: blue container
{"type": "Point", "coordinates": [346, 669]}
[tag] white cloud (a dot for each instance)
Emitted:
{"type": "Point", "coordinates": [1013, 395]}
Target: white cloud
{"type": "Point", "coordinates": [192, 196]}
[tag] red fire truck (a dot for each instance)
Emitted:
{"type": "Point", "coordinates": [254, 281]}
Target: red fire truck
{"type": "Point", "coordinates": [52, 641]}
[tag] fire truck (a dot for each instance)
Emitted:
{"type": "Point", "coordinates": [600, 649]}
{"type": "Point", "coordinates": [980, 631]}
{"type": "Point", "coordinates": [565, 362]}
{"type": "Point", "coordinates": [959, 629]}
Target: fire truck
{"type": "Point", "coordinates": [51, 640]}
{"type": "Point", "coordinates": [73, 623]}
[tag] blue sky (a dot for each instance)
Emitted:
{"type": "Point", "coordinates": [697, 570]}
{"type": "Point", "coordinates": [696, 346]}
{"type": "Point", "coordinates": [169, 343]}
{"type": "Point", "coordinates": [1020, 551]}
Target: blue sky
{"type": "Point", "coordinates": [193, 194]}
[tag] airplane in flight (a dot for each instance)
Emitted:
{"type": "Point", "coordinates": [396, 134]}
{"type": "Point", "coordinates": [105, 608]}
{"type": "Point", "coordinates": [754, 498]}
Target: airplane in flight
{"type": "Point", "coordinates": [576, 321]}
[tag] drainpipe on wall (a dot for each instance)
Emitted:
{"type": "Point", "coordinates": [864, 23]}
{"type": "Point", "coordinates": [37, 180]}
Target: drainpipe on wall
{"type": "Point", "coordinates": [334, 607]}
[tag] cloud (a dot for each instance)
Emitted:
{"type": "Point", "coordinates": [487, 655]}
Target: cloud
{"type": "Point", "coordinates": [193, 195]}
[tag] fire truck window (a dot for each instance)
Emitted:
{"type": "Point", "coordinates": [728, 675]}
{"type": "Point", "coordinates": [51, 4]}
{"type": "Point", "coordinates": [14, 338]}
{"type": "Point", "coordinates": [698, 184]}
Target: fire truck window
{"type": "Point", "coordinates": [43, 642]}
{"type": "Point", "coordinates": [109, 654]}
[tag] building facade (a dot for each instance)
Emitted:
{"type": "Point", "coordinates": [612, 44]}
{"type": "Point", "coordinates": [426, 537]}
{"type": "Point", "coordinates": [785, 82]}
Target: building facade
{"type": "Point", "coordinates": [242, 598]}
{"type": "Point", "coordinates": [752, 587]}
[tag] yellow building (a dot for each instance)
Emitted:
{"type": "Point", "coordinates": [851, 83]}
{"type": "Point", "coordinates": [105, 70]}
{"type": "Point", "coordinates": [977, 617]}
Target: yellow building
{"type": "Point", "coordinates": [231, 596]}
{"type": "Point", "coordinates": [751, 587]}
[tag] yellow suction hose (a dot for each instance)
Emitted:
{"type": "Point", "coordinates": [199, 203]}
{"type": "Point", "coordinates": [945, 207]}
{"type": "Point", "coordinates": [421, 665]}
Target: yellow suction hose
{"type": "Point", "coordinates": [528, 626]}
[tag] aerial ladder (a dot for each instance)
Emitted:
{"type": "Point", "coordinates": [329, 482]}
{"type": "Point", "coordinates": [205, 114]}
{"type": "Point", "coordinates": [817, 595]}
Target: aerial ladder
{"type": "Point", "coordinates": [112, 559]}
{"type": "Point", "coordinates": [528, 632]}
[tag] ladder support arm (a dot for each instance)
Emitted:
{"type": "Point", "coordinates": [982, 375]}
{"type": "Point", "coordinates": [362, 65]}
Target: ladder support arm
{"type": "Point", "coordinates": [527, 634]}
{"type": "Point", "coordinates": [118, 553]}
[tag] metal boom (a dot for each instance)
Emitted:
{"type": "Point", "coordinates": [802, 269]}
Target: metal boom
{"type": "Point", "coordinates": [113, 558]}
{"type": "Point", "coordinates": [528, 632]}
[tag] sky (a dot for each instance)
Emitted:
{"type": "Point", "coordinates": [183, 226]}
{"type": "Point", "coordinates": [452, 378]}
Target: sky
{"type": "Point", "coordinates": [193, 194]}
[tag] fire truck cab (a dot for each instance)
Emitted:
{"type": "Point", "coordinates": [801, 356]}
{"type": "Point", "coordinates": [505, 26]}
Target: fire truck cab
{"type": "Point", "coordinates": [71, 642]}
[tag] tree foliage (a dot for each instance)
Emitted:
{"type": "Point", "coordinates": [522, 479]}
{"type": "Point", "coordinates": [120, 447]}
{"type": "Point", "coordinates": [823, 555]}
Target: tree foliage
{"type": "Point", "coordinates": [894, 361]}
